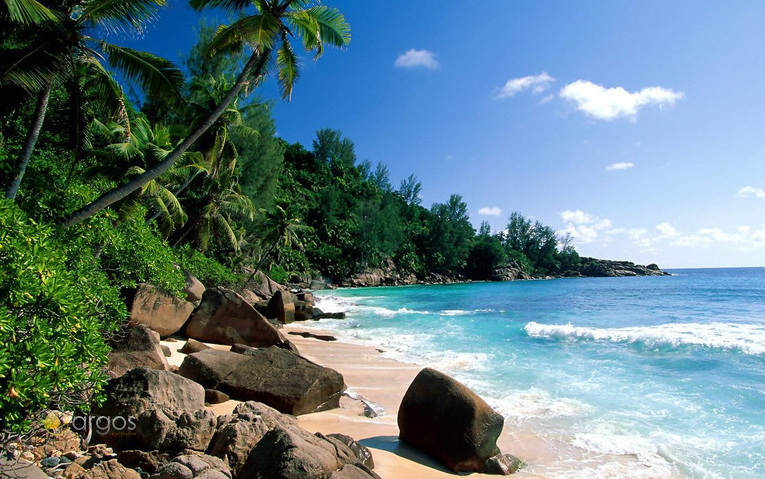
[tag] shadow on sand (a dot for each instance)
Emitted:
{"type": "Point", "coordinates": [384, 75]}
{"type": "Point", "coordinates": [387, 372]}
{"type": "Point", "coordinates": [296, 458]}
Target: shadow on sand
{"type": "Point", "coordinates": [393, 445]}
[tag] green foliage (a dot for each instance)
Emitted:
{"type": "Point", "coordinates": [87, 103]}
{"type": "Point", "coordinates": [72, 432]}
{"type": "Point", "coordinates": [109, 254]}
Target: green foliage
{"type": "Point", "coordinates": [205, 269]}
{"type": "Point", "coordinates": [56, 307]}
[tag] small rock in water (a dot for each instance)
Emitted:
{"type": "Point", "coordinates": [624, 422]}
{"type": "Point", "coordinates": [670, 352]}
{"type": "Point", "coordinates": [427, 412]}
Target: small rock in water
{"type": "Point", "coordinates": [503, 464]}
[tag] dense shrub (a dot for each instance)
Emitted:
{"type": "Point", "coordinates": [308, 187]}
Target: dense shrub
{"type": "Point", "coordinates": [56, 311]}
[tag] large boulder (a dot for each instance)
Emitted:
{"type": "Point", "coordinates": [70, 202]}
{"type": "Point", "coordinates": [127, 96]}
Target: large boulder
{"type": "Point", "coordinates": [263, 286]}
{"type": "Point", "coordinates": [194, 289]}
{"type": "Point", "coordinates": [294, 453]}
{"type": "Point", "coordinates": [240, 431]}
{"type": "Point", "coordinates": [273, 376]}
{"type": "Point", "coordinates": [162, 312]}
{"type": "Point", "coordinates": [224, 317]}
{"type": "Point", "coordinates": [136, 347]}
{"type": "Point", "coordinates": [449, 422]}
{"type": "Point", "coordinates": [281, 306]}
{"type": "Point", "coordinates": [149, 409]}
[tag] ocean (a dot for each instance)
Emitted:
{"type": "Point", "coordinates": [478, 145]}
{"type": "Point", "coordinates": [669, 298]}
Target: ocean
{"type": "Point", "coordinates": [640, 377]}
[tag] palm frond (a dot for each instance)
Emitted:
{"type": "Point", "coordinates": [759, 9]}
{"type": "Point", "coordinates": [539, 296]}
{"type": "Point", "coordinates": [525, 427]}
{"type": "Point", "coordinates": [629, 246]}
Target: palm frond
{"type": "Point", "coordinates": [333, 28]}
{"type": "Point", "coordinates": [120, 15]}
{"type": "Point", "coordinates": [155, 75]}
{"type": "Point", "coordinates": [34, 66]}
{"type": "Point", "coordinates": [259, 31]}
{"type": "Point", "coordinates": [108, 92]}
{"type": "Point", "coordinates": [229, 5]}
{"type": "Point", "coordinates": [29, 12]}
{"type": "Point", "coordinates": [288, 69]}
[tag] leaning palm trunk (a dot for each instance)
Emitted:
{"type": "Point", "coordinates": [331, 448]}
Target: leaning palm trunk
{"type": "Point", "coordinates": [29, 146]}
{"type": "Point", "coordinates": [254, 68]}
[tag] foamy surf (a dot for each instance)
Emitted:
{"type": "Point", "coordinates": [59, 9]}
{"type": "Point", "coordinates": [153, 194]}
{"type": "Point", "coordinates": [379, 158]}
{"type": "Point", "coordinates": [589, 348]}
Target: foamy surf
{"type": "Point", "coordinates": [747, 338]}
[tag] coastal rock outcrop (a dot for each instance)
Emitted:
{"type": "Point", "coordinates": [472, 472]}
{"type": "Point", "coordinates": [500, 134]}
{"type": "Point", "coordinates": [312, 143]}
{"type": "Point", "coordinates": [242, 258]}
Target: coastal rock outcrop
{"type": "Point", "coordinates": [605, 268]}
{"type": "Point", "coordinates": [274, 376]}
{"type": "Point", "coordinates": [136, 347]}
{"type": "Point", "coordinates": [224, 317]}
{"type": "Point", "coordinates": [449, 422]}
{"type": "Point", "coordinates": [281, 306]}
{"type": "Point", "coordinates": [294, 453]}
{"type": "Point", "coordinates": [240, 431]}
{"type": "Point", "coordinates": [162, 312]}
{"type": "Point", "coordinates": [193, 466]}
{"type": "Point", "coordinates": [154, 410]}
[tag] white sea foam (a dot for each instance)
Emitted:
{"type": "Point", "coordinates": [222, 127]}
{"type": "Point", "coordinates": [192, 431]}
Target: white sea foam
{"type": "Point", "coordinates": [537, 403]}
{"type": "Point", "coordinates": [747, 338]}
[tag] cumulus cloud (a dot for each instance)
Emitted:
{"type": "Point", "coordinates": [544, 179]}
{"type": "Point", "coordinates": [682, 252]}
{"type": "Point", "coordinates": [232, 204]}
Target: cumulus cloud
{"type": "Point", "coordinates": [743, 238]}
{"type": "Point", "coordinates": [666, 230]}
{"type": "Point", "coordinates": [417, 58]}
{"type": "Point", "coordinates": [584, 227]}
{"type": "Point", "coordinates": [535, 83]}
{"type": "Point", "coordinates": [612, 103]}
{"type": "Point", "coordinates": [490, 211]}
{"type": "Point", "coordinates": [623, 165]}
{"type": "Point", "coordinates": [751, 191]}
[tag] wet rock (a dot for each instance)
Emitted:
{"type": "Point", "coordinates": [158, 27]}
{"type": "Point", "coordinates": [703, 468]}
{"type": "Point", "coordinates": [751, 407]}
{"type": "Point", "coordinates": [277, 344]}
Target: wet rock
{"type": "Point", "coordinates": [320, 337]}
{"type": "Point", "coordinates": [502, 464]}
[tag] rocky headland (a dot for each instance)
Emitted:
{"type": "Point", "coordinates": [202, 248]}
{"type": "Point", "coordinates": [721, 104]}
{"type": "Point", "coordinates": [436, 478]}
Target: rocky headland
{"type": "Point", "coordinates": [390, 275]}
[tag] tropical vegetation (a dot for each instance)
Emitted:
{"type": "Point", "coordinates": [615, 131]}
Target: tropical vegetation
{"type": "Point", "coordinates": [185, 173]}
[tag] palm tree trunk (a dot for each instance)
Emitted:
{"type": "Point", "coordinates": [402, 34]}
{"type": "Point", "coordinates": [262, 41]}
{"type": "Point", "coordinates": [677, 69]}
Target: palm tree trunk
{"type": "Point", "coordinates": [254, 66]}
{"type": "Point", "coordinates": [29, 146]}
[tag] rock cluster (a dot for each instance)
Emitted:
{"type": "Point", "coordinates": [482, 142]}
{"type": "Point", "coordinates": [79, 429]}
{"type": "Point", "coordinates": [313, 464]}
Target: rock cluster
{"type": "Point", "coordinates": [592, 267]}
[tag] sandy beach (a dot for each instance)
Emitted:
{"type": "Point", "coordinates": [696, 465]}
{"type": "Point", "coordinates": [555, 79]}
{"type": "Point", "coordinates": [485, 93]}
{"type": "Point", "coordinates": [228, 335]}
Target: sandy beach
{"type": "Point", "coordinates": [381, 382]}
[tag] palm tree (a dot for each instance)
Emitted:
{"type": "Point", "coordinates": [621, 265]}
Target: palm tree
{"type": "Point", "coordinates": [267, 31]}
{"type": "Point", "coordinates": [59, 47]}
{"type": "Point", "coordinates": [130, 152]}
{"type": "Point", "coordinates": [221, 206]}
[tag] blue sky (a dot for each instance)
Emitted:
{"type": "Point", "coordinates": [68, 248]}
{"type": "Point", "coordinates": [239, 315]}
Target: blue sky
{"type": "Point", "coordinates": [635, 126]}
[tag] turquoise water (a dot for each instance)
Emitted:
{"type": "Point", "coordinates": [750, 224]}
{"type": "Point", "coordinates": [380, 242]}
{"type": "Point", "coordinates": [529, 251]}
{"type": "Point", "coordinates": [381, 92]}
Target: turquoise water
{"type": "Point", "coordinates": [649, 377]}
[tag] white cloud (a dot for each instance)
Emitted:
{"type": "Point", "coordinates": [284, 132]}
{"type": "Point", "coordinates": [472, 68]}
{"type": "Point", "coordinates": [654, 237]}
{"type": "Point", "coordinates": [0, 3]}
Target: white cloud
{"type": "Point", "coordinates": [490, 211]}
{"type": "Point", "coordinates": [744, 238]}
{"type": "Point", "coordinates": [417, 58]}
{"type": "Point", "coordinates": [577, 217]}
{"type": "Point", "coordinates": [623, 165]}
{"type": "Point", "coordinates": [546, 99]}
{"type": "Point", "coordinates": [535, 83]}
{"type": "Point", "coordinates": [751, 191]}
{"type": "Point", "coordinates": [612, 103]}
{"type": "Point", "coordinates": [584, 227]}
{"type": "Point", "coordinates": [666, 230]}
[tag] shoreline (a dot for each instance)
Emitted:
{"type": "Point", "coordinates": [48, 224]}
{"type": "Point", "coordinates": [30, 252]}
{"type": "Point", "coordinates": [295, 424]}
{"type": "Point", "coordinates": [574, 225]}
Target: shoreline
{"type": "Point", "coordinates": [383, 382]}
